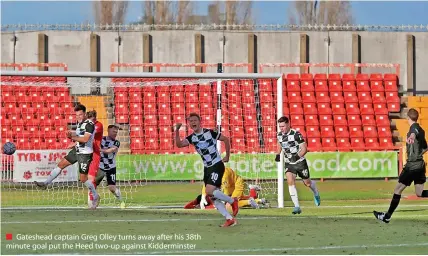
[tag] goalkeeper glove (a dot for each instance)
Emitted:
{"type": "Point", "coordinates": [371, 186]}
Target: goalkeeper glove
{"type": "Point", "coordinates": [203, 202]}
{"type": "Point", "coordinates": [278, 158]}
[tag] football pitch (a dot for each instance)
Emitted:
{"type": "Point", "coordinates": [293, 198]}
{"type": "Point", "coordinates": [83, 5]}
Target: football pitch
{"type": "Point", "coordinates": [343, 224]}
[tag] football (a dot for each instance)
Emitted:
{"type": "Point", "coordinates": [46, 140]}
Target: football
{"type": "Point", "coordinates": [9, 148]}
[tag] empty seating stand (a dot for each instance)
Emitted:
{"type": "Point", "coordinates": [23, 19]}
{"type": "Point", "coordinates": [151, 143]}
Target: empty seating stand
{"type": "Point", "coordinates": [333, 112]}
{"type": "Point", "coordinates": [36, 117]}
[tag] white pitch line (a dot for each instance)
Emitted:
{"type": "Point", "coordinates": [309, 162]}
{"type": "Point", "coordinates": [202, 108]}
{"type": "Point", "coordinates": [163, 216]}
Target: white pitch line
{"type": "Point", "coordinates": [288, 249]}
{"type": "Point", "coordinates": [67, 209]}
{"type": "Point", "coordinates": [207, 219]}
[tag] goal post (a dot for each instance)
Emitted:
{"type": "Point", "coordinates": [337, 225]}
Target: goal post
{"type": "Point", "coordinates": [247, 108]}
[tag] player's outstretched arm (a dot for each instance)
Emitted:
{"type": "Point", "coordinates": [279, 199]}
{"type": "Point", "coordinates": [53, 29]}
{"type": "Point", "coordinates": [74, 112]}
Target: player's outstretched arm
{"type": "Point", "coordinates": [226, 141]}
{"type": "Point", "coordinates": [178, 142]}
{"type": "Point", "coordinates": [303, 149]}
{"type": "Point", "coordinates": [113, 149]}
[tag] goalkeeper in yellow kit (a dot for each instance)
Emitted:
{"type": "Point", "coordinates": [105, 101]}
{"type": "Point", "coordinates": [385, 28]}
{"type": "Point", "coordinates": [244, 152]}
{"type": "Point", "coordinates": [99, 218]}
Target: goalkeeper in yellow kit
{"type": "Point", "coordinates": [232, 185]}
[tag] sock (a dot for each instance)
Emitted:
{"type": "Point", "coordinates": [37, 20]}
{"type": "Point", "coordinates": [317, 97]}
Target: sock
{"type": "Point", "coordinates": [91, 197]}
{"type": "Point", "coordinates": [222, 209]}
{"type": "Point", "coordinates": [91, 188]}
{"type": "Point", "coordinates": [117, 194]}
{"type": "Point", "coordinates": [394, 203]}
{"type": "Point", "coordinates": [293, 195]}
{"type": "Point", "coordinates": [424, 193]}
{"type": "Point", "coordinates": [314, 188]}
{"type": "Point", "coordinates": [220, 195]}
{"type": "Point", "coordinates": [55, 172]}
{"type": "Point", "coordinates": [242, 203]}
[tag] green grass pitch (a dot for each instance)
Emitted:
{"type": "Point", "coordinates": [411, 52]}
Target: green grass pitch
{"type": "Point", "coordinates": [343, 224]}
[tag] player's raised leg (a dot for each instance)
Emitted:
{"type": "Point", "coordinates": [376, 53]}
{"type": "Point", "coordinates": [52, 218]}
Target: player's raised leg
{"type": "Point", "coordinates": [68, 160]}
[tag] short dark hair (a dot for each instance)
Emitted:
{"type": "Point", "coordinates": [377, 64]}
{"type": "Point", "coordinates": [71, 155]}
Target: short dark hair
{"type": "Point", "coordinates": [283, 119]}
{"type": "Point", "coordinates": [91, 114]}
{"type": "Point", "coordinates": [413, 114]}
{"type": "Point", "coordinates": [113, 126]}
{"type": "Point", "coordinates": [194, 114]}
{"type": "Point", "coordinates": [80, 107]}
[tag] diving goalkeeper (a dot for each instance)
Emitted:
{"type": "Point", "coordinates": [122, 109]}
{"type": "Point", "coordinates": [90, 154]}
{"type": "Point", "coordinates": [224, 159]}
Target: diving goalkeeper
{"type": "Point", "coordinates": [232, 185]}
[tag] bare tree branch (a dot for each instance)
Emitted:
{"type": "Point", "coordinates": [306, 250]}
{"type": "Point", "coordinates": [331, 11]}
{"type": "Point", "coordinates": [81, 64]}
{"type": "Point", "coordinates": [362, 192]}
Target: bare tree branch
{"type": "Point", "coordinates": [320, 12]}
{"type": "Point", "coordinates": [165, 12]}
{"type": "Point", "coordinates": [110, 12]}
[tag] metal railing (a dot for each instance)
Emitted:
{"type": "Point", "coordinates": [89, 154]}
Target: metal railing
{"type": "Point", "coordinates": [208, 27]}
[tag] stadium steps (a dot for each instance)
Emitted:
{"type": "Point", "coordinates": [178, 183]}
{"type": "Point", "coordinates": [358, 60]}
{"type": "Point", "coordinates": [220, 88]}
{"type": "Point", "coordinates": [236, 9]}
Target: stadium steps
{"type": "Point", "coordinates": [98, 104]}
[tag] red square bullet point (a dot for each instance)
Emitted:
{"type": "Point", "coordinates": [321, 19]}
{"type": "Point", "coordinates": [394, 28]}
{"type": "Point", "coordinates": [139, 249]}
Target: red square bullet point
{"type": "Point", "coordinates": [9, 236]}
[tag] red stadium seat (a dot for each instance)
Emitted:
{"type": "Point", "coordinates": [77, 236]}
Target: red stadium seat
{"type": "Point", "coordinates": [151, 143]}
{"type": "Point", "coordinates": [296, 109]}
{"type": "Point", "coordinates": [354, 120]}
{"type": "Point", "coordinates": [355, 132]}
{"type": "Point", "coordinates": [328, 144]}
{"type": "Point", "coordinates": [350, 97]}
{"type": "Point", "coordinates": [391, 82]}
{"type": "Point", "coordinates": [308, 96]}
{"type": "Point", "coordinates": [268, 119]}
{"type": "Point", "coordinates": [313, 132]}
{"type": "Point", "coordinates": [136, 132]}
{"type": "Point", "coordinates": [369, 131]}
{"type": "Point", "coordinates": [297, 120]}
{"type": "Point", "coordinates": [121, 96]}
{"type": "Point", "coordinates": [137, 144]}
{"type": "Point", "coordinates": [336, 97]}
{"type": "Point", "coordinates": [392, 97]}
{"type": "Point", "coordinates": [310, 108]}
{"type": "Point", "coordinates": [357, 143]}
{"type": "Point", "coordinates": [251, 120]}
{"type": "Point", "coordinates": [247, 86]}
{"type": "Point", "coordinates": [334, 83]}
{"type": "Point", "coordinates": [301, 129]}
{"type": "Point", "coordinates": [338, 108]}
{"type": "Point", "coordinates": [306, 83]}
{"type": "Point", "coordinates": [166, 143]}
{"type": "Point", "coordinates": [341, 131]}
{"type": "Point", "coordinates": [385, 142]}
{"type": "Point", "coordinates": [394, 107]}
{"type": "Point", "coordinates": [352, 109]}
{"type": "Point", "coordinates": [384, 131]}
{"type": "Point", "coordinates": [364, 97]}
{"type": "Point", "coordinates": [314, 144]}
{"type": "Point", "coordinates": [247, 97]}
{"type": "Point", "coordinates": [238, 144]}
{"type": "Point", "coordinates": [382, 120]}
{"type": "Point", "coordinates": [371, 143]}
{"type": "Point", "coordinates": [253, 145]}
{"type": "Point", "coordinates": [343, 144]}
{"type": "Point", "coordinates": [294, 97]}
{"type": "Point", "coordinates": [177, 96]}
{"type": "Point", "coordinates": [349, 83]}
{"type": "Point", "coordinates": [293, 83]}
{"type": "Point", "coordinates": [320, 83]}
{"type": "Point", "coordinates": [366, 109]}
{"type": "Point", "coordinates": [327, 131]}
{"type": "Point", "coordinates": [136, 120]}
{"type": "Point", "coordinates": [324, 109]}
{"type": "Point", "coordinates": [362, 83]}
{"type": "Point", "coordinates": [164, 96]}
{"type": "Point", "coordinates": [266, 97]}
{"type": "Point", "coordinates": [164, 119]}
{"type": "Point", "coordinates": [149, 108]}
{"type": "Point", "coordinates": [121, 119]}
{"type": "Point", "coordinates": [121, 109]}
{"type": "Point", "coordinates": [192, 97]}
{"type": "Point", "coordinates": [378, 97]}
{"type": "Point", "coordinates": [265, 85]}
{"type": "Point", "coordinates": [340, 120]}
{"type": "Point", "coordinates": [322, 97]}
{"type": "Point", "coordinates": [376, 83]}
{"type": "Point", "coordinates": [136, 108]}
{"type": "Point", "coordinates": [368, 120]}
{"type": "Point", "coordinates": [149, 120]}
{"type": "Point", "coordinates": [311, 120]}
{"type": "Point", "coordinates": [380, 109]}
{"type": "Point", "coordinates": [326, 120]}
{"type": "Point", "coordinates": [164, 109]}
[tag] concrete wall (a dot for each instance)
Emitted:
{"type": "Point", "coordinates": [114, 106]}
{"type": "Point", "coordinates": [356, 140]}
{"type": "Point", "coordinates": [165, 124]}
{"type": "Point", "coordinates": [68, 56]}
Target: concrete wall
{"type": "Point", "coordinates": [73, 48]}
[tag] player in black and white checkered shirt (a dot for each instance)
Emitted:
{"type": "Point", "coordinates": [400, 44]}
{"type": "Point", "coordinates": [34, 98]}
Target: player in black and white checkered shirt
{"type": "Point", "coordinates": [292, 144]}
{"type": "Point", "coordinates": [205, 143]}
{"type": "Point", "coordinates": [109, 148]}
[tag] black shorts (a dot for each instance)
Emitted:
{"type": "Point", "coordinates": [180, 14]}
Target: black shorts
{"type": "Point", "coordinates": [408, 176]}
{"type": "Point", "coordinates": [84, 161]}
{"type": "Point", "coordinates": [71, 156]}
{"type": "Point", "coordinates": [301, 169]}
{"type": "Point", "coordinates": [214, 174]}
{"type": "Point", "coordinates": [111, 176]}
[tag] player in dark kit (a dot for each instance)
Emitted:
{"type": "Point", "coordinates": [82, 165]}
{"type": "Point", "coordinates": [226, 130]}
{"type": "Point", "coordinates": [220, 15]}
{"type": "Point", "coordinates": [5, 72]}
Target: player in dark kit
{"type": "Point", "coordinates": [292, 144]}
{"type": "Point", "coordinates": [414, 170]}
{"type": "Point", "coordinates": [205, 143]}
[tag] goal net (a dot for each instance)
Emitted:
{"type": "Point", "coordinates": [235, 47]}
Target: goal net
{"type": "Point", "coordinates": [37, 110]}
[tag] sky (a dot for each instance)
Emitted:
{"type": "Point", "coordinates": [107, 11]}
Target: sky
{"type": "Point", "coordinates": [266, 12]}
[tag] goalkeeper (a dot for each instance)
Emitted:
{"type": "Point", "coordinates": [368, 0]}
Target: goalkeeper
{"type": "Point", "coordinates": [232, 185]}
